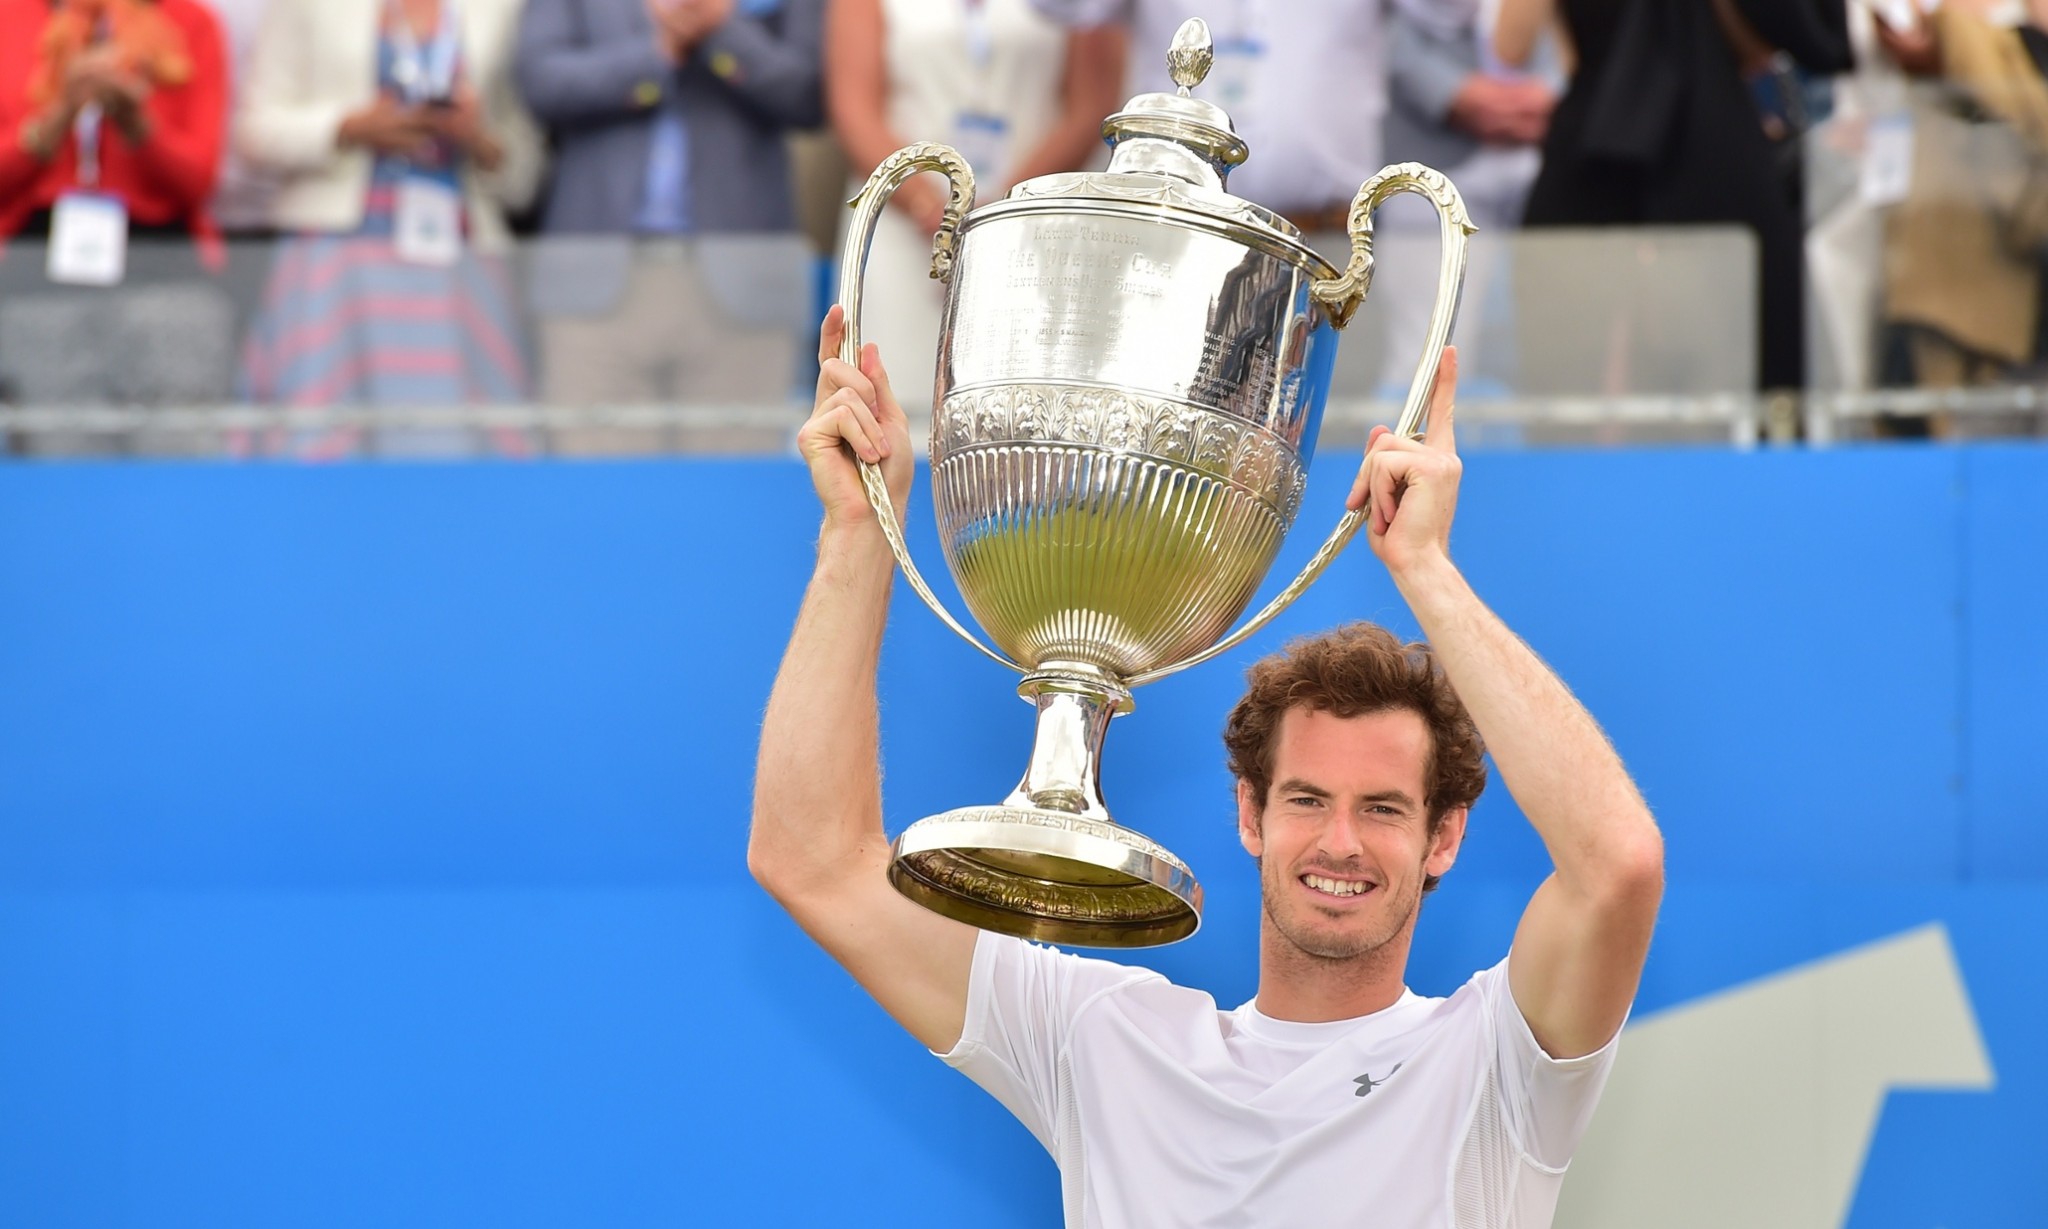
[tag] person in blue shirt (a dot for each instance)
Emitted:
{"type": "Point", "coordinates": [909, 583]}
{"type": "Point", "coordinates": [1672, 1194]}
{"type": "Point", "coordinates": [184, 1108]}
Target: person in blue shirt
{"type": "Point", "coordinates": [668, 119]}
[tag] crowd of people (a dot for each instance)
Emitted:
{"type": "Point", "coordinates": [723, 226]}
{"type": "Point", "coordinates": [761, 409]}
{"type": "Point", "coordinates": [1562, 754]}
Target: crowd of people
{"type": "Point", "coordinates": [388, 152]}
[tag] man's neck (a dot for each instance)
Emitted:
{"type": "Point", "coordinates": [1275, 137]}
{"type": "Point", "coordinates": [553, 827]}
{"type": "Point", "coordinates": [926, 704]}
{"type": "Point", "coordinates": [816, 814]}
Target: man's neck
{"type": "Point", "coordinates": [1294, 985]}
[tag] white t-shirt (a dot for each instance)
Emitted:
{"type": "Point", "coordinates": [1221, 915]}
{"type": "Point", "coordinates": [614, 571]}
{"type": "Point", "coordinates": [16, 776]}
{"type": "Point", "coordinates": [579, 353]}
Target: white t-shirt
{"type": "Point", "coordinates": [1304, 82]}
{"type": "Point", "coordinates": [1164, 1111]}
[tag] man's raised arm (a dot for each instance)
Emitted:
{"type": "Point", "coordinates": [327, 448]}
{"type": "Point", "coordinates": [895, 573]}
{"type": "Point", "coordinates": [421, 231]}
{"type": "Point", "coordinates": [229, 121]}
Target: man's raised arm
{"type": "Point", "coordinates": [817, 844]}
{"type": "Point", "coordinates": [1579, 950]}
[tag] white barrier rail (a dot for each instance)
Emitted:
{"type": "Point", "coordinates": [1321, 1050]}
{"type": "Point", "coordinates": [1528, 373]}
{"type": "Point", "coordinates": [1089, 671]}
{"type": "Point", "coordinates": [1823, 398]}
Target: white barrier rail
{"type": "Point", "coordinates": [1740, 420]}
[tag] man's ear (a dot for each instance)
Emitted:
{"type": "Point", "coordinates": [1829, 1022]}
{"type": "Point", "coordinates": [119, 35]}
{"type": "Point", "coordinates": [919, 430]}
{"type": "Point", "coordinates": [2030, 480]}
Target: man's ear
{"type": "Point", "coordinates": [1449, 838]}
{"type": "Point", "coordinates": [1250, 821]}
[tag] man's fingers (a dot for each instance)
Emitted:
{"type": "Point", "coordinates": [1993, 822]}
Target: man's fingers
{"type": "Point", "coordinates": [844, 419]}
{"type": "Point", "coordinates": [1386, 495]}
{"type": "Point", "coordinates": [862, 414]}
{"type": "Point", "coordinates": [836, 375]}
{"type": "Point", "coordinates": [885, 396]}
{"type": "Point", "coordinates": [832, 333]}
{"type": "Point", "coordinates": [1443, 401]}
{"type": "Point", "coordinates": [857, 437]}
{"type": "Point", "coordinates": [1361, 485]}
{"type": "Point", "coordinates": [1387, 476]}
{"type": "Point", "coordinates": [1380, 500]}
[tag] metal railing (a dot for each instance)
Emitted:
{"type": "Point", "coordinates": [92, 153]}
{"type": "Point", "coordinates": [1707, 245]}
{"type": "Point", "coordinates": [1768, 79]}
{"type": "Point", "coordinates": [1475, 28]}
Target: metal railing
{"type": "Point", "coordinates": [1568, 338]}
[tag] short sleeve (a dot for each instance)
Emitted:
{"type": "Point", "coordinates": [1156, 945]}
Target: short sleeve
{"type": "Point", "coordinates": [1022, 1002]}
{"type": "Point", "coordinates": [1547, 1102]}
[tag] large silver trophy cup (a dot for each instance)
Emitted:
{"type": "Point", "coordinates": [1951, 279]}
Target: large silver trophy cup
{"type": "Point", "coordinates": [1131, 375]}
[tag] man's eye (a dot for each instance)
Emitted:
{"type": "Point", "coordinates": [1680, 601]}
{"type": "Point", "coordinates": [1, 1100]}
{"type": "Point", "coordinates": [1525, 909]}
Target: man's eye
{"type": "Point", "coordinates": [1304, 801]}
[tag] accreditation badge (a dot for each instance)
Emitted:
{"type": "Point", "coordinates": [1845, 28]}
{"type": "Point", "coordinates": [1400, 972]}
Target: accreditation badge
{"type": "Point", "coordinates": [427, 229]}
{"type": "Point", "coordinates": [1887, 172]}
{"type": "Point", "coordinates": [88, 240]}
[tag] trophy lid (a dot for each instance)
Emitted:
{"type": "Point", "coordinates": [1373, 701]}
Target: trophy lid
{"type": "Point", "coordinates": [1171, 159]}
{"type": "Point", "coordinates": [1178, 134]}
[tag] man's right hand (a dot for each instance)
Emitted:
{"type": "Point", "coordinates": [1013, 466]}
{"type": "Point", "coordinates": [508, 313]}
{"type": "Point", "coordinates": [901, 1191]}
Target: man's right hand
{"type": "Point", "coordinates": [387, 127]}
{"type": "Point", "coordinates": [855, 415]}
{"type": "Point", "coordinates": [818, 844]}
{"type": "Point", "coordinates": [1502, 110]}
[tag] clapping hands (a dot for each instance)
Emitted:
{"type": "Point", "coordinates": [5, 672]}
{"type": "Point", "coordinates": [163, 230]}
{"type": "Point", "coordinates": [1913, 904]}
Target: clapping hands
{"type": "Point", "coordinates": [680, 25]}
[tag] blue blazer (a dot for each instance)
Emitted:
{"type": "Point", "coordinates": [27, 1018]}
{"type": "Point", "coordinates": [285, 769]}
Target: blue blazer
{"type": "Point", "coordinates": [591, 73]}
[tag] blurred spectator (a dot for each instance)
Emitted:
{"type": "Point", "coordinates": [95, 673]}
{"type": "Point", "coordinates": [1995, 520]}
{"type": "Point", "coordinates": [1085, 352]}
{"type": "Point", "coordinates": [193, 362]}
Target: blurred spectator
{"type": "Point", "coordinates": [1016, 94]}
{"type": "Point", "coordinates": [120, 97]}
{"type": "Point", "coordinates": [1966, 241]}
{"type": "Point", "coordinates": [111, 119]}
{"type": "Point", "coordinates": [1455, 107]}
{"type": "Point", "coordinates": [1305, 85]}
{"type": "Point", "coordinates": [1856, 170]}
{"type": "Point", "coordinates": [1658, 126]}
{"type": "Point", "coordinates": [668, 118]}
{"type": "Point", "coordinates": [241, 199]}
{"type": "Point", "coordinates": [398, 138]}
{"type": "Point", "coordinates": [817, 170]}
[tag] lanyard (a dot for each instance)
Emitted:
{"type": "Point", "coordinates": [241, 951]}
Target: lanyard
{"type": "Point", "coordinates": [91, 120]}
{"type": "Point", "coordinates": [87, 130]}
{"type": "Point", "coordinates": [1249, 22]}
{"type": "Point", "coordinates": [1243, 41]}
{"type": "Point", "coordinates": [981, 43]}
{"type": "Point", "coordinates": [424, 74]}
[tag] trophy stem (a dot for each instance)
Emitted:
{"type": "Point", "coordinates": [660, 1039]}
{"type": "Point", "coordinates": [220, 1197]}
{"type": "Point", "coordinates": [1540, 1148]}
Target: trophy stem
{"type": "Point", "coordinates": [1048, 863]}
{"type": "Point", "coordinates": [1074, 712]}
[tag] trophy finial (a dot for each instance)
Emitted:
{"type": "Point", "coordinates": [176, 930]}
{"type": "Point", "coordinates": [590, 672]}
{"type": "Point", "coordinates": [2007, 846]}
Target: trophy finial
{"type": "Point", "coordinates": [1191, 55]}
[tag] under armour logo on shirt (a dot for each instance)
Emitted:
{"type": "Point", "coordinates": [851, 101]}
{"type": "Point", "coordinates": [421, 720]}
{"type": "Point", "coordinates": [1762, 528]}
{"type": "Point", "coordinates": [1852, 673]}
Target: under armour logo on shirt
{"type": "Point", "coordinates": [1366, 1083]}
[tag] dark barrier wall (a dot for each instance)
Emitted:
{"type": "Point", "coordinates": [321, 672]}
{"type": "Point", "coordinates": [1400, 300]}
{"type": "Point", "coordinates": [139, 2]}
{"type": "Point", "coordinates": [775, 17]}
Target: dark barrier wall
{"type": "Point", "coordinates": [371, 839]}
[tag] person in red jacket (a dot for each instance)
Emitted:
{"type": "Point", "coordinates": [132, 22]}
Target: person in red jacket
{"type": "Point", "coordinates": [153, 74]}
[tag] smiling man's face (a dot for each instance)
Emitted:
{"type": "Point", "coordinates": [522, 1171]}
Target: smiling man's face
{"type": "Point", "coordinates": [1343, 839]}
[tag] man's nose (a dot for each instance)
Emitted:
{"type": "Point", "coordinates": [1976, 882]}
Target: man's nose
{"type": "Point", "coordinates": [1339, 837]}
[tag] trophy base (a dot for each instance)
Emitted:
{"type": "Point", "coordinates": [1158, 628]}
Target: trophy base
{"type": "Point", "coordinates": [1047, 875]}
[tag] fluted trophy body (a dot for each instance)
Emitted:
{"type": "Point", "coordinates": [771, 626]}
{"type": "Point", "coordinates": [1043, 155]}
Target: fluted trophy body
{"type": "Point", "coordinates": [1119, 450]}
{"type": "Point", "coordinates": [1132, 372]}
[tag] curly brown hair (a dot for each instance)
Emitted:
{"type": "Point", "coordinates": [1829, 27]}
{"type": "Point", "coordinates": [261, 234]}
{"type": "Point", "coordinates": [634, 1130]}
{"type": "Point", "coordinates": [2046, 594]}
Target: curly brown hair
{"type": "Point", "coordinates": [1349, 671]}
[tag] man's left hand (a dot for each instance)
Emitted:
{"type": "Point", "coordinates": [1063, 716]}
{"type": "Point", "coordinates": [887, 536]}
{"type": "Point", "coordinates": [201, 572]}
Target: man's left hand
{"type": "Point", "coordinates": [1409, 487]}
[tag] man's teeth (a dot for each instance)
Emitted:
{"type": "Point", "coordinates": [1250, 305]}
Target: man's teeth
{"type": "Point", "coordinates": [1335, 887]}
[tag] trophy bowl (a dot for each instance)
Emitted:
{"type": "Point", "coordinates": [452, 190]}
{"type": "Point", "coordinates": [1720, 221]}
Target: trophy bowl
{"type": "Point", "coordinates": [1132, 370]}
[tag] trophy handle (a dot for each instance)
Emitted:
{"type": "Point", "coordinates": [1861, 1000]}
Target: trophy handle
{"type": "Point", "coordinates": [1340, 297]}
{"type": "Point", "coordinates": [867, 210]}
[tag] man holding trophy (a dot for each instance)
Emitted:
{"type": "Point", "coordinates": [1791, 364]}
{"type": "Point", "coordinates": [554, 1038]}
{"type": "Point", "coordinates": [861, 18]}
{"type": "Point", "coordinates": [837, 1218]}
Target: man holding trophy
{"type": "Point", "coordinates": [1336, 1095]}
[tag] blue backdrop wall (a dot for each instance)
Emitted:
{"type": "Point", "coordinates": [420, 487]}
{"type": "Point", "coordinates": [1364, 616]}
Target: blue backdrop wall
{"type": "Point", "coordinates": [371, 838]}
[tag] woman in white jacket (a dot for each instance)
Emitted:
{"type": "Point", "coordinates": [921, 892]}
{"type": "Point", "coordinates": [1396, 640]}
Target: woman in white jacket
{"type": "Point", "coordinates": [399, 141]}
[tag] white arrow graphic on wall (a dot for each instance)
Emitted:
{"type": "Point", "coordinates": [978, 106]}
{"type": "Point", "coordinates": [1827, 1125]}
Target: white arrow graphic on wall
{"type": "Point", "coordinates": [1755, 1106]}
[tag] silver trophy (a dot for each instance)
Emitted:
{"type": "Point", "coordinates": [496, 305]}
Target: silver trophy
{"type": "Point", "coordinates": [1131, 376]}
